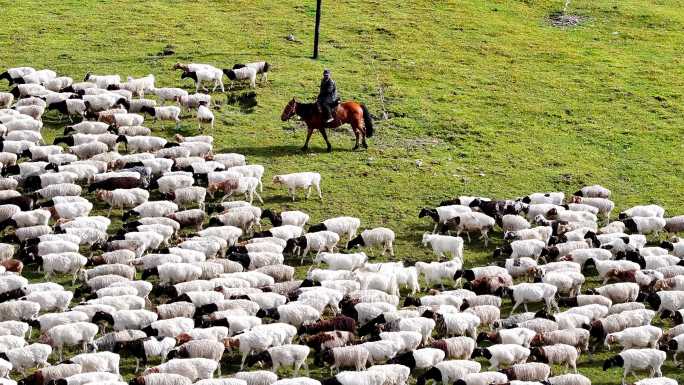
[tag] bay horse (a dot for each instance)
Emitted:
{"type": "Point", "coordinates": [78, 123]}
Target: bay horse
{"type": "Point", "coordinates": [356, 114]}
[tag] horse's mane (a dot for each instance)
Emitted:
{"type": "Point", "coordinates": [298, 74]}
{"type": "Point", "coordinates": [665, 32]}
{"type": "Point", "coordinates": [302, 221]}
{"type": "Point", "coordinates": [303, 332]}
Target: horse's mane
{"type": "Point", "coordinates": [305, 110]}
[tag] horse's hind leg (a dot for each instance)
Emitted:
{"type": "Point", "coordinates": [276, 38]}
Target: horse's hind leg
{"type": "Point", "coordinates": [325, 137]}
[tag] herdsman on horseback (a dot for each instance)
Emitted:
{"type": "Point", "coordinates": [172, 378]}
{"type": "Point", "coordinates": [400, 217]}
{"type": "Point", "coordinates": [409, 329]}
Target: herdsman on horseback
{"type": "Point", "coordinates": [328, 112]}
{"type": "Point", "coordinates": [327, 97]}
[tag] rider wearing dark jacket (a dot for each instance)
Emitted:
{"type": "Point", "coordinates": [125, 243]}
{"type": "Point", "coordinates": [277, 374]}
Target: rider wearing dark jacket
{"type": "Point", "coordinates": [327, 97]}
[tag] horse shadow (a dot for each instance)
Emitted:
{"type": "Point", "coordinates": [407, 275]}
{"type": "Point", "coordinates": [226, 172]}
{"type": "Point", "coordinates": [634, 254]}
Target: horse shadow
{"type": "Point", "coordinates": [281, 150]}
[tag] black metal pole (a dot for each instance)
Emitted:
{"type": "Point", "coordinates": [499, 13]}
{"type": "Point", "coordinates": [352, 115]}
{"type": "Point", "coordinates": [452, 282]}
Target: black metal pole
{"type": "Point", "coordinates": [318, 27]}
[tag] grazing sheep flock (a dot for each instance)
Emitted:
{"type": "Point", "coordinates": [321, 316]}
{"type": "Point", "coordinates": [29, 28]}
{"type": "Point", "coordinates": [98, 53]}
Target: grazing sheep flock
{"type": "Point", "coordinates": [227, 294]}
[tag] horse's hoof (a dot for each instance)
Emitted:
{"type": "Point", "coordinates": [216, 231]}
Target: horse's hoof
{"type": "Point", "coordinates": [303, 149]}
{"type": "Point", "coordinates": [365, 145]}
{"type": "Point", "coordinates": [329, 149]}
{"type": "Point", "coordinates": [355, 148]}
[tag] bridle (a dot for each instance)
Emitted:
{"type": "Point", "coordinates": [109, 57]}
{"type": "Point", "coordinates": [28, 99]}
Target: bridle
{"type": "Point", "coordinates": [289, 110]}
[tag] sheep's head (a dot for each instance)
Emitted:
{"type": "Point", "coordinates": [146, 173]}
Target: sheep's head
{"type": "Point", "coordinates": [277, 179]}
{"type": "Point", "coordinates": [45, 339]}
{"type": "Point", "coordinates": [231, 343]}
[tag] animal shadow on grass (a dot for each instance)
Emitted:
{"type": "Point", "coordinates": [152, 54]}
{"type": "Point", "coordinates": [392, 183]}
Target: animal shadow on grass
{"type": "Point", "coordinates": [280, 150]}
{"type": "Point", "coordinates": [245, 100]}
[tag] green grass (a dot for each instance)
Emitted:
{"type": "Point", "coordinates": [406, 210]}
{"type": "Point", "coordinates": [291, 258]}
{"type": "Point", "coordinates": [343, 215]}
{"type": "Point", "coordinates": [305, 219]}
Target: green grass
{"type": "Point", "coordinates": [492, 99]}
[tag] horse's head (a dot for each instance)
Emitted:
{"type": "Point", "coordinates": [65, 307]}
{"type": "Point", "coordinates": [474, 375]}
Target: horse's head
{"type": "Point", "coordinates": [289, 110]}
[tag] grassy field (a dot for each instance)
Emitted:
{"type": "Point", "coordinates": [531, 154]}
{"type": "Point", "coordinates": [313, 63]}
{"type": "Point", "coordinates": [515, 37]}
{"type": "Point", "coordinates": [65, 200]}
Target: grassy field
{"type": "Point", "coordinates": [486, 96]}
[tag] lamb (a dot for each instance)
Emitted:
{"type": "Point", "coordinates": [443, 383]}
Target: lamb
{"type": "Point", "coordinates": [171, 273]}
{"type": "Point", "coordinates": [525, 293]}
{"type": "Point", "coordinates": [256, 377]}
{"type": "Point", "coordinates": [455, 324]}
{"type": "Point", "coordinates": [49, 373]}
{"type": "Point", "coordinates": [70, 334]}
{"type": "Point", "coordinates": [88, 378]}
{"type": "Point", "coordinates": [6, 99]}
{"type": "Point", "coordinates": [293, 313]}
{"type": "Point", "coordinates": [434, 272]}
{"type": "Point", "coordinates": [152, 209]}
{"type": "Point", "coordinates": [192, 368]}
{"type": "Point", "coordinates": [656, 381]}
{"type": "Point", "coordinates": [637, 359]}
{"type": "Point", "coordinates": [204, 115]}
{"type": "Point", "coordinates": [557, 354]}
{"type": "Point", "coordinates": [340, 225]}
{"type": "Point", "coordinates": [261, 68]}
{"type": "Point", "coordinates": [593, 191]}
{"type": "Point", "coordinates": [126, 319]}
{"type": "Point", "coordinates": [203, 348]}
{"type": "Point", "coordinates": [533, 371]}
{"type": "Point", "coordinates": [123, 198]}
{"type": "Point", "coordinates": [502, 354]}
{"type": "Point", "coordinates": [337, 261]}
{"type": "Point", "coordinates": [643, 211]}
{"type": "Point", "coordinates": [244, 73]}
{"type": "Point", "coordinates": [102, 81]}
{"type": "Point", "coordinates": [88, 150]}
{"type": "Point", "coordinates": [454, 347]}
{"type": "Point", "coordinates": [162, 114]}
{"type": "Point", "coordinates": [251, 341]}
{"type": "Point", "coordinates": [305, 180]}
{"type": "Point", "coordinates": [346, 356]}
{"type": "Point", "coordinates": [136, 86]}
{"type": "Point", "coordinates": [371, 377]}
{"type": "Point", "coordinates": [542, 233]}
{"type": "Point", "coordinates": [67, 262]}
{"type": "Point", "coordinates": [644, 225]}
{"type": "Point", "coordinates": [205, 75]}
{"type": "Point", "coordinates": [98, 362]}
{"type": "Point", "coordinates": [419, 359]}
{"type": "Point", "coordinates": [442, 244]}
{"type": "Point", "coordinates": [449, 371]}
{"type": "Point", "coordinates": [26, 357]}
{"type": "Point", "coordinates": [619, 292]}
{"type": "Point", "coordinates": [194, 217]}
{"type": "Point", "coordinates": [483, 378]}
{"type": "Point", "coordinates": [530, 248]}
{"type": "Point", "coordinates": [512, 223]}
{"type": "Point", "coordinates": [470, 222]}
{"type": "Point", "coordinates": [14, 328]}
{"type": "Point", "coordinates": [243, 185]}
{"type": "Point", "coordinates": [516, 336]}
{"type": "Point", "coordinates": [379, 236]}
{"type": "Point", "coordinates": [635, 337]}
{"type": "Point", "coordinates": [50, 300]}
{"type": "Point", "coordinates": [604, 205]}
{"type": "Point", "coordinates": [618, 322]}
{"type": "Point", "coordinates": [161, 379]}
{"type": "Point", "coordinates": [284, 355]}
{"type": "Point", "coordinates": [443, 213]}
{"type": "Point", "coordinates": [31, 218]}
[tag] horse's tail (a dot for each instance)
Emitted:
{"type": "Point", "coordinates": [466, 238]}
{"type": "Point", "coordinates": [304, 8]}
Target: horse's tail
{"type": "Point", "coordinates": [367, 121]}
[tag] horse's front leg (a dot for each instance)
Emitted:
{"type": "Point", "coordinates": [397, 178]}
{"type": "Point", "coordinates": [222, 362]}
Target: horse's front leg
{"type": "Point", "coordinates": [309, 131]}
{"type": "Point", "coordinates": [325, 136]}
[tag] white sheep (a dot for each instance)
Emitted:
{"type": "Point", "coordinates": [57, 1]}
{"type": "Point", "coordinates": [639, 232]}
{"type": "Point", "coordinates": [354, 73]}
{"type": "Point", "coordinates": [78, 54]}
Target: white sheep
{"type": "Point", "coordinates": [525, 293]}
{"type": "Point", "coordinates": [638, 359]}
{"type": "Point", "coordinates": [435, 272]}
{"type": "Point", "coordinates": [379, 236]}
{"type": "Point", "coordinates": [305, 180]}
{"type": "Point", "coordinates": [442, 244]}
{"type": "Point", "coordinates": [71, 334]}
{"type": "Point", "coordinates": [29, 356]}
{"type": "Point", "coordinates": [503, 354]}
